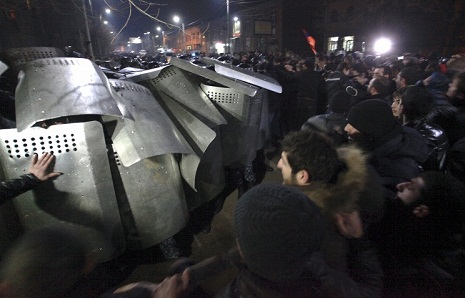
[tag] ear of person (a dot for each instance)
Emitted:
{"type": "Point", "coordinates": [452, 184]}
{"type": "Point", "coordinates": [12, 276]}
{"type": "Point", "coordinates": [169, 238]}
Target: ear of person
{"type": "Point", "coordinates": [349, 224]}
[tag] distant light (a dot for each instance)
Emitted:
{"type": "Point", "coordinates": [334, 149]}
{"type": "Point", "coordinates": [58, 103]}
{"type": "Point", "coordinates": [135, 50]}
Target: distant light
{"type": "Point", "coordinates": [111, 32]}
{"type": "Point", "coordinates": [156, 36]}
{"type": "Point", "coordinates": [105, 22]}
{"type": "Point", "coordinates": [235, 19]}
{"type": "Point", "coordinates": [158, 29]}
{"type": "Point", "coordinates": [176, 19]}
{"type": "Point", "coordinates": [382, 45]}
{"type": "Point", "coordinates": [107, 10]}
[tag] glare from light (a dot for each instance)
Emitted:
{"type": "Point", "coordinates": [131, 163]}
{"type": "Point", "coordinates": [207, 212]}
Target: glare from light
{"type": "Point", "coordinates": [176, 19]}
{"type": "Point", "coordinates": [107, 10]}
{"type": "Point", "coordinates": [158, 29]}
{"type": "Point", "coordinates": [105, 22]}
{"type": "Point", "coordinates": [235, 19]}
{"type": "Point", "coordinates": [111, 32]}
{"type": "Point", "coordinates": [382, 45]}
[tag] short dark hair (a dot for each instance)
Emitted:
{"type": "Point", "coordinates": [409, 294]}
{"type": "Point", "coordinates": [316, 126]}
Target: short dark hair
{"type": "Point", "coordinates": [399, 92]}
{"type": "Point", "coordinates": [417, 102]}
{"type": "Point", "coordinates": [313, 152]}
{"type": "Point", "coordinates": [386, 69]}
{"type": "Point", "coordinates": [382, 85]}
{"type": "Point", "coordinates": [410, 75]}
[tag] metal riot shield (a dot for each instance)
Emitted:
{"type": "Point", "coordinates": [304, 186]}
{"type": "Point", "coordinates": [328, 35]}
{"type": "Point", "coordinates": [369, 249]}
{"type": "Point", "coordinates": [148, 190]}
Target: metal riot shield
{"type": "Point", "coordinates": [83, 197]}
{"type": "Point", "coordinates": [183, 86]}
{"type": "Point", "coordinates": [204, 170]}
{"type": "Point", "coordinates": [21, 56]}
{"type": "Point", "coordinates": [154, 200]}
{"type": "Point", "coordinates": [57, 87]}
{"type": "Point", "coordinates": [151, 134]}
{"type": "Point", "coordinates": [239, 137]}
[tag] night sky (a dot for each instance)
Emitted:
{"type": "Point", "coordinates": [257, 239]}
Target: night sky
{"type": "Point", "coordinates": [189, 11]}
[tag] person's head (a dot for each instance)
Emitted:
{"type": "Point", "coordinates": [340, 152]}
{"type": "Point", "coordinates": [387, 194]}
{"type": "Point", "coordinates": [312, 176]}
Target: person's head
{"type": "Point", "coordinates": [380, 85]}
{"type": "Point", "coordinates": [47, 262]}
{"type": "Point", "coordinates": [358, 70]}
{"type": "Point", "coordinates": [407, 76]}
{"type": "Point", "coordinates": [456, 63]}
{"type": "Point", "coordinates": [307, 156]}
{"type": "Point", "coordinates": [309, 63]}
{"type": "Point", "coordinates": [457, 87]}
{"type": "Point", "coordinates": [371, 123]}
{"type": "Point", "coordinates": [339, 102]}
{"type": "Point", "coordinates": [344, 68]}
{"type": "Point", "coordinates": [396, 106]}
{"type": "Point", "coordinates": [382, 71]}
{"type": "Point", "coordinates": [417, 102]}
{"type": "Point", "coordinates": [435, 193]}
{"type": "Point", "coordinates": [277, 230]}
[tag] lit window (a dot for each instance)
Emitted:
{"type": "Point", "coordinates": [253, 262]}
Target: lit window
{"type": "Point", "coordinates": [332, 43]}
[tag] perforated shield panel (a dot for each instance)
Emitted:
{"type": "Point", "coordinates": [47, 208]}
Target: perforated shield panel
{"type": "Point", "coordinates": [184, 87]}
{"type": "Point", "coordinates": [21, 56]}
{"type": "Point", "coordinates": [233, 102]}
{"type": "Point", "coordinates": [83, 197]}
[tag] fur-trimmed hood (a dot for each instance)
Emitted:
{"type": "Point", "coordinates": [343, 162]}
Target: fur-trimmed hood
{"type": "Point", "coordinates": [356, 187]}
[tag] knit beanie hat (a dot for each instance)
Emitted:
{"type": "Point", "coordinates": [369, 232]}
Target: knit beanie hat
{"type": "Point", "coordinates": [372, 117]}
{"type": "Point", "coordinates": [277, 228]}
{"type": "Point", "coordinates": [340, 102]}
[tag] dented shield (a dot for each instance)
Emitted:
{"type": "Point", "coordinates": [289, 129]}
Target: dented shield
{"type": "Point", "coordinates": [58, 87]}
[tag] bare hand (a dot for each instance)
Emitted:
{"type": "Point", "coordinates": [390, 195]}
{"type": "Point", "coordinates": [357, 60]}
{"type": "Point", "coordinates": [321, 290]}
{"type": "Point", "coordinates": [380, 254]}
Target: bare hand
{"type": "Point", "coordinates": [349, 224]}
{"type": "Point", "coordinates": [40, 167]}
{"type": "Point", "coordinates": [175, 286]}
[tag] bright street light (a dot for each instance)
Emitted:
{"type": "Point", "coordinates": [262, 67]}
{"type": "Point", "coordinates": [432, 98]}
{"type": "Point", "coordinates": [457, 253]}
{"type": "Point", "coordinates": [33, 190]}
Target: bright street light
{"type": "Point", "coordinates": [382, 45]}
{"type": "Point", "coordinates": [107, 10]}
{"type": "Point", "coordinates": [177, 20]}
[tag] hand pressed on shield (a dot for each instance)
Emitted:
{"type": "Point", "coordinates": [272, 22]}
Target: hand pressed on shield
{"type": "Point", "coordinates": [41, 167]}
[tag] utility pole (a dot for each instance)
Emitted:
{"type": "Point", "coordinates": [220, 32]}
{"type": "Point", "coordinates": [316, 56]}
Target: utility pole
{"type": "Point", "coordinates": [89, 41]}
{"type": "Point", "coordinates": [228, 39]}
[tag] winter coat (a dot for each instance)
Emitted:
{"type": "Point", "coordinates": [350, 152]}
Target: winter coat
{"type": "Point", "coordinates": [437, 143]}
{"type": "Point", "coordinates": [13, 188]}
{"type": "Point", "coordinates": [399, 159]}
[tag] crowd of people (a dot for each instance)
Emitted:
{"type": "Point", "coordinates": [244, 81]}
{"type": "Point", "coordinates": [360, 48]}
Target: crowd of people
{"type": "Point", "coordinates": [372, 202]}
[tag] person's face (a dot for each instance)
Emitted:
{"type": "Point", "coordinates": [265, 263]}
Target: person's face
{"type": "Point", "coordinates": [453, 86]}
{"type": "Point", "coordinates": [286, 170]}
{"type": "Point", "coordinates": [370, 87]}
{"type": "Point", "coordinates": [351, 131]}
{"type": "Point", "coordinates": [396, 107]}
{"type": "Point", "coordinates": [399, 83]}
{"type": "Point", "coordinates": [410, 191]}
{"type": "Point", "coordinates": [378, 73]}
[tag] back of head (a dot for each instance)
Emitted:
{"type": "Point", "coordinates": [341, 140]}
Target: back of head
{"type": "Point", "coordinates": [45, 263]}
{"type": "Point", "coordinates": [417, 102]}
{"type": "Point", "coordinates": [382, 85]}
{"type": "Point", "coordinates": [309, 63]}
{"type": "Point", "coordinates": [373, 118]}
{"type": "Point", "coordinates": [410, 75]}
{"type": "Point", "coordinates": [277, 229]}
{"type": "Point", "coordinates": [311, 151]}
{"type": "Point", "coordinates": [340, 102]}
{"type": "Point", "coordinates": [444, 195]}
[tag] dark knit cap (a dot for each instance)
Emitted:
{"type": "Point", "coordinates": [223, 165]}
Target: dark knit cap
{"type": "Point", "coordinates": [277, 228]}
{"type": "Point", "coordinates": [372, 117]}
{"type": "Point", "coordinates": [340, 102]}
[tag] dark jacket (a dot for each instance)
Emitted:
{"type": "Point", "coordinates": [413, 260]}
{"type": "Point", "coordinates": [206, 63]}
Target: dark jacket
{"type": "Point", "coordinates": [399, 159]}
{"type": "Point", "coordinates": [331, 124]}
{"type": "Point", "coordinates": [437, 143]}
{"type": "Point", "coordinates": [13, 188]}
